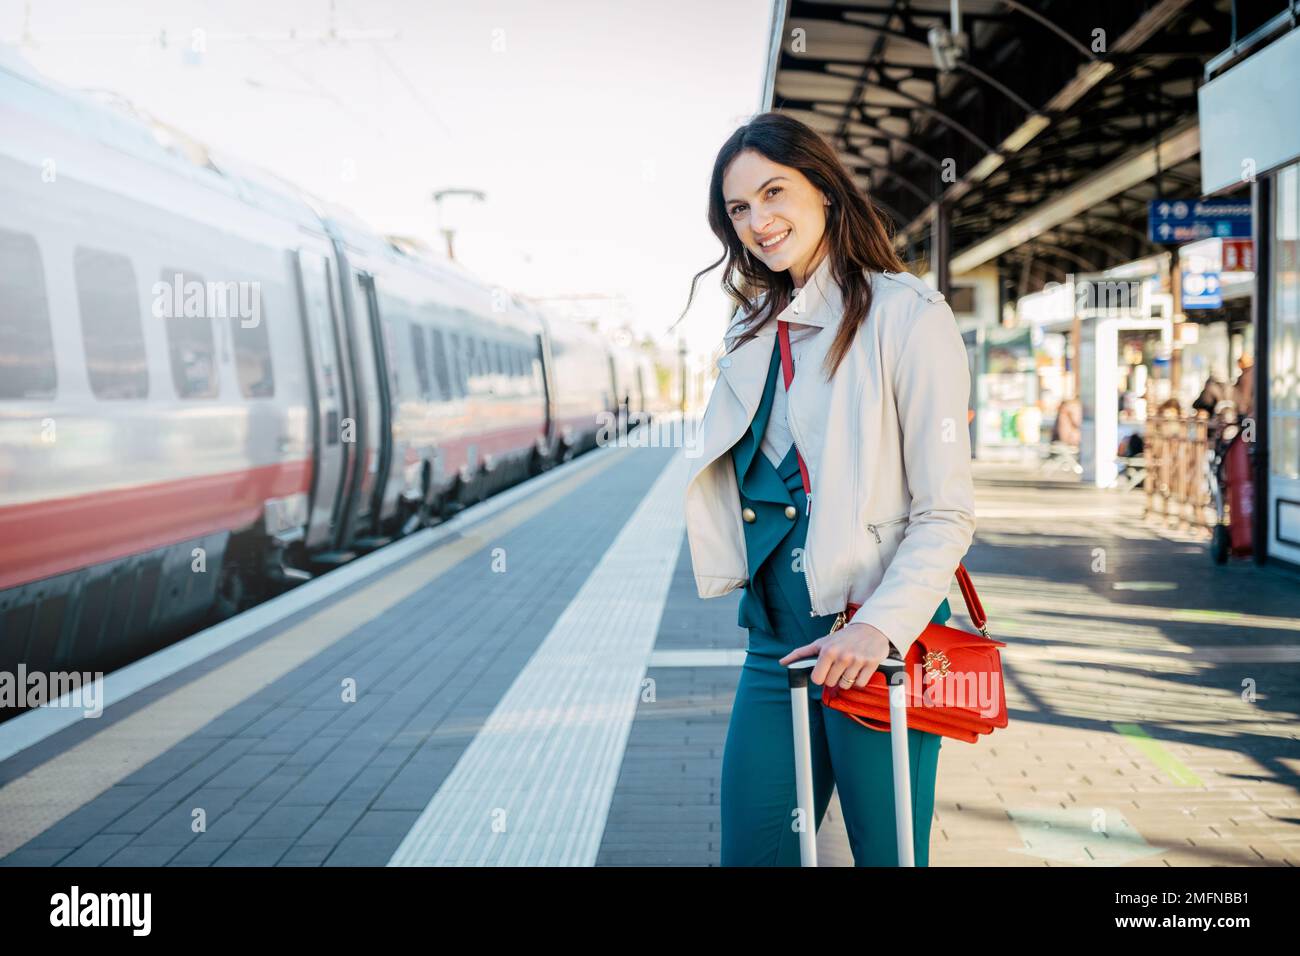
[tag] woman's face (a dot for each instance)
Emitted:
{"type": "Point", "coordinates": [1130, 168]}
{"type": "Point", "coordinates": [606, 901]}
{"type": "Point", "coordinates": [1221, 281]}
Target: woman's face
{"type": "Point", "coordinates": [777, 213]}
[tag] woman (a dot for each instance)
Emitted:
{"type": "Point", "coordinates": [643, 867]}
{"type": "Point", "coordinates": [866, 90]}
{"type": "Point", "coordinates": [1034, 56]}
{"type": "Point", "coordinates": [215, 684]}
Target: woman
{"type": "Point", "coordinates": [877, 410]}
{"type": "Point", "coordinates": [1243, 389]}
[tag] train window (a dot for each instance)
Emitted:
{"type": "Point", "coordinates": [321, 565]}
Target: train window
{"type": "Point", "coordinates": [400, 385]}
{"type": "Point", "coordinates": [471, 362]}
{"type": "Point", "coordinates": [418, 350]}
{"type": "Point", "coordinates": [457, 359]}
{"type": "Point", "coordinates": [111, 328]}
{"type": "Point", "coordinates": [462, 365]}
{"type": "Point", "coordinates": [253, 353]}
{"type": "Point", "coordinates": [402, 341]}
{"type": "Point", "coordinates": [441, 370]}
{"type": "Point", "coordinates": [453, 367]}
{"type": "Point", "coordinates": [26, 344]}
{"type": "Point", "coordinates": [436, 392]}
{"type": "Point", "coordinates": [316, 287]}
{"type": "Point", "coordinates": [184, 314]}
{"type": "Point", "coordinates": [535, 365]}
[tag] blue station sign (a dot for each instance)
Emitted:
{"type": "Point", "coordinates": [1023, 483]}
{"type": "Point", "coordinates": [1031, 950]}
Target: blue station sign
{"type": "Point", "coordinates": [1202, 290]}
{"type": "Point", "coordinates": [1186, 220]}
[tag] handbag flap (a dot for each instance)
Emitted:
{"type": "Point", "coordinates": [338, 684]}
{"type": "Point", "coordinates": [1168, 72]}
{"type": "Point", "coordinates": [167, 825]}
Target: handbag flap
{"type": "Point", "coordinates": [941, 637]}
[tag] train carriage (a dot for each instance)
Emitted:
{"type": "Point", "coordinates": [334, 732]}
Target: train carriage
{"type": "Point", "coordinates": [213, 386]}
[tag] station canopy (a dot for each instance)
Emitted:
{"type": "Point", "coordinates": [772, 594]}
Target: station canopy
{"type": "Point", "coordinates": [1045, 133]}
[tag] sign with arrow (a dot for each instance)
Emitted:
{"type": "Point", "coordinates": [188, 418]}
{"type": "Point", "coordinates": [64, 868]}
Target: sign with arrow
{"type": "Point", "coordinates": [1186, 220]}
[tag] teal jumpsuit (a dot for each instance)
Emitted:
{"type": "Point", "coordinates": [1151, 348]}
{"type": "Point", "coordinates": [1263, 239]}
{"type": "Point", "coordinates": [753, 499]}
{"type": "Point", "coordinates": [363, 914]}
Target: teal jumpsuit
{"type": "Point", "coordinates": [758, 788]}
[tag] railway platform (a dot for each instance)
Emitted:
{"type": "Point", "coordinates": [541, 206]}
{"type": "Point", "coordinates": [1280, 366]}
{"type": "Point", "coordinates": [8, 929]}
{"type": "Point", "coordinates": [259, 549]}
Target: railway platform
{"type": "Point", "coordinates": [535, 682]}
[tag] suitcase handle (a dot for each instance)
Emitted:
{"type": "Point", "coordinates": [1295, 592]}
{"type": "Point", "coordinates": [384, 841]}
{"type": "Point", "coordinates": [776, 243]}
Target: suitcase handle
{"type": "Point", "coordinates": [797, 673]}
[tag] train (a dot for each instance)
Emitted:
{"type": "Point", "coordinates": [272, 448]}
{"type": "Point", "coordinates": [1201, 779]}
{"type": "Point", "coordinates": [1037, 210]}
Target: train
{"type": "Point", "coordinates": [215, 386]}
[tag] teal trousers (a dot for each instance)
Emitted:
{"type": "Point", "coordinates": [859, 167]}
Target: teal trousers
{"type": "Point", "coordinates": [760, 822]}
{"type": "Point", "coordinates": [760, 818]}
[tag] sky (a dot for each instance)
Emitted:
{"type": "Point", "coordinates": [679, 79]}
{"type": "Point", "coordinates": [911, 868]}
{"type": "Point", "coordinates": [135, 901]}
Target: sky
{"type": "Point", "coordinates": [590, 126]}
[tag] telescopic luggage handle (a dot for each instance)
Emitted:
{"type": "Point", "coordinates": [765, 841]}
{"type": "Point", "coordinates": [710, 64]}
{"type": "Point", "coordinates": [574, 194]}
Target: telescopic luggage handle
{"type": "Point", "coordinates": [797, 674]}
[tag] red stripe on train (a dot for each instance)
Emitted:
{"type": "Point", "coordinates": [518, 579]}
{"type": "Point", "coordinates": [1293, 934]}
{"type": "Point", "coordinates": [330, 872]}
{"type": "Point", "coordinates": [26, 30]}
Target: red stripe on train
{"type": "Point", "coordinates": [455, 449]}
{"type": "Point", "coordinates": [45, 538]}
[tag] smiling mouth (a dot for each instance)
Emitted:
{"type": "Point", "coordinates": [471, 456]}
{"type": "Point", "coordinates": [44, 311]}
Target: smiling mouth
{"type": "Point", "coordinates": [774, 241]}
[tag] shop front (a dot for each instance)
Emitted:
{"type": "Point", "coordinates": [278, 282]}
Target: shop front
{"type": "Point", "coordinates": [1250, 135]}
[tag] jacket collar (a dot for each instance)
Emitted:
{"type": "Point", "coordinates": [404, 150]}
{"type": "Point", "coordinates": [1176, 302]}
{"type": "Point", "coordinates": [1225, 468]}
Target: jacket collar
{"type": "Point", "coordinates": [817, 303]}
{"type": "Point", "coordinates": [744, 368]}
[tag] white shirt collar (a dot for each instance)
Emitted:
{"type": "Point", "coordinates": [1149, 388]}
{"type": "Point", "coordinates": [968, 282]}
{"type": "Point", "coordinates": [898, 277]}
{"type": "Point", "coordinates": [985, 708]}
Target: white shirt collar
{"type": "Point", "coordinates": [806, 308]}
{"type": "Point", "coordinates": [810, 304]}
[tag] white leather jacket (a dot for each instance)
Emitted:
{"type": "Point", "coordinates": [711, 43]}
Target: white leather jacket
{"type": "Point", "coordinates": [892, 509]}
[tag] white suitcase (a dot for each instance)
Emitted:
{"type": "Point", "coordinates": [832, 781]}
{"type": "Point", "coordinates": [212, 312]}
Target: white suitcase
{"type": "Point", "coordinates": [893, 670]}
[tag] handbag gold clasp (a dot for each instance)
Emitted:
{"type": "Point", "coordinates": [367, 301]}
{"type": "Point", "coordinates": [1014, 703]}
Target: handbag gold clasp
{"type": "Point", "coordinates": [839, 623]}
{"type": "Point", "coordinates": [936, 662]}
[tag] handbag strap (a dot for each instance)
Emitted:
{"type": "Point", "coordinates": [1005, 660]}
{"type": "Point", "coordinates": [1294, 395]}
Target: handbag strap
{"type": "Point", "coordinates": [973, 606]}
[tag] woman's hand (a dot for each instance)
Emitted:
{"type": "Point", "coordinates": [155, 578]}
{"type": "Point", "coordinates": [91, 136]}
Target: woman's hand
{"type": "Point", "coordinates": [853, 652]}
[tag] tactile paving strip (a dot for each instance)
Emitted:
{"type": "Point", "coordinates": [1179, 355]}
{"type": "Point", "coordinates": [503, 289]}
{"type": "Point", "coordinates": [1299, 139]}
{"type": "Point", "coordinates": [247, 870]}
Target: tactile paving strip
{"type": "Point", "coordinates": [534, 787]}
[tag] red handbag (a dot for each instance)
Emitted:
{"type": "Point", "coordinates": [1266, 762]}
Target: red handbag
{"type": "Point", "coordinates": [952, 678]}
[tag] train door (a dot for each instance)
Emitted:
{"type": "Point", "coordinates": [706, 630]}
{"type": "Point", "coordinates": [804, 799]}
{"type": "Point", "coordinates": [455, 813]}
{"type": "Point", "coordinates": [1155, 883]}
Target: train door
{"type": "Point", "coordinates": [376, 401]}
{"type": "Point", "coordinates": [329, 393]}
{"type": "Point", "coordinates": [541, 366]}
{"type": "Point", "coordinates": [614, 402]}
{"type": "Point", "coordinates": [618, 406]}
{"type": "Point", "coordinates": [394, 450]}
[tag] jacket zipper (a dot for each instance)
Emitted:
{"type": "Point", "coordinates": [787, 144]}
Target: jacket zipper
{"type": "Point", "coordinates": [872, 527]}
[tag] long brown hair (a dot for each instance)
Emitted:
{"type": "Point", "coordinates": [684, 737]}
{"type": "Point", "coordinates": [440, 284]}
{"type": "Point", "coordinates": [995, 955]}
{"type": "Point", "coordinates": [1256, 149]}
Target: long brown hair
{"type": "Point", "coordinates": [855, 231]}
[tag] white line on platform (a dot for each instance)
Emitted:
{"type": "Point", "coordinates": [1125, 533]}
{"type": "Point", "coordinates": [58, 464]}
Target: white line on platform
{"type": "Point", "coordinates": [534, 786]}
{"type": "Point", "coordinates": [704, 657]}
{"type": "Point", "coordinates": [36, 725]}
